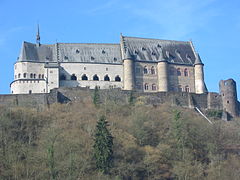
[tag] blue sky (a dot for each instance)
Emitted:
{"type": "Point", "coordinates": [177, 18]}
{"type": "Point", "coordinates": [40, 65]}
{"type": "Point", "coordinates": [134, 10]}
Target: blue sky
{"type": "Point", "coordinates": [212, 25]}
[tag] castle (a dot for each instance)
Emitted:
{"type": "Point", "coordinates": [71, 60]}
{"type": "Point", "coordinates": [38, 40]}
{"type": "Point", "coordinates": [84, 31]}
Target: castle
{"type": "Point", "coordinates": [164, 69]}
{"type": "Point", "coordinates": [147, 65]}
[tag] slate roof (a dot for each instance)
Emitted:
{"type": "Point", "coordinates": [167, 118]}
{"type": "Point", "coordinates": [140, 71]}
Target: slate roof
{"type": "Point", "coordinates": [139, 49]}
{"type": "Point", "coordinates": [151, 50]}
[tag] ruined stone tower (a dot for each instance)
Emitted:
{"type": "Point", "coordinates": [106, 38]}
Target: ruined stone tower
{"type": "Point", "coordinates": [228, 92]}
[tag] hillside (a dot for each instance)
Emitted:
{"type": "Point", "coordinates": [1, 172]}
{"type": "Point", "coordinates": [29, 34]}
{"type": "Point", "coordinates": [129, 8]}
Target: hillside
{"type": "Point", "coordinates": [150, 142]}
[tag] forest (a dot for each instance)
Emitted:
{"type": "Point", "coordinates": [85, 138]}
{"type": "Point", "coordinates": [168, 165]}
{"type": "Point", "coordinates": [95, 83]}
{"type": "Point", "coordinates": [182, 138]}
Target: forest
{"type": "Point", "coordinates": [148, 142]}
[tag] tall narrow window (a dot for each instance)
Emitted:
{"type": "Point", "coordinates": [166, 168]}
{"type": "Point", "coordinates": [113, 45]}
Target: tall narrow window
{"type": "Point", "coordinates": [146, 86]}
{"type": "Point", "coordinates": [31, 75]}
{"type": "Point", "coordinates": [73, 77]}
{"type": "Point", "coordinates": [106, 78]}
{"type": "Point", "coordinates": [171, 71]}
{"type": "Point", "coordinates": [39, 76]}
{"type": "Point", "coordinates": [95, 78]}
{"type": "Point", "coordinates": [145, 71]}
{"type": "Point", "coordinates": [19, 75]}
{"type": "Point", "coordinates": [179, 72]}
{"type": "Point", "coordinates": [84, 77]}
{"type": "Point", "coordinates": [34, 76]}
{"type": "Point", "coordinates": [25, 75]}
{"type": "Point", "coordinates": [187, 89]}
{"type": "Point", "coordinates": [154, 87]}
{"type": "Point", "coordinates": [152, 70]}
{"type": "Point", "coordinates": [62, 77]}
{"type": "Point", "coordinates": [186, 72]}
{"type": "Point", "coordinates": [179, 88]}
{"type": "Point", "coordinates": [117, 78]}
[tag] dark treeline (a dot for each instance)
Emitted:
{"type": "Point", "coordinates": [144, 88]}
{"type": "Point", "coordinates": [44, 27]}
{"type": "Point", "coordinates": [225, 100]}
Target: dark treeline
{"type": "Point", "coordinates": [149, 142]}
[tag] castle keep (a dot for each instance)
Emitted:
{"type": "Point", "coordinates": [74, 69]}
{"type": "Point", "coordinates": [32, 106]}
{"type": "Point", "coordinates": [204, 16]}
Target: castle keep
{"type": "Point", "coordinates": [145, 65]}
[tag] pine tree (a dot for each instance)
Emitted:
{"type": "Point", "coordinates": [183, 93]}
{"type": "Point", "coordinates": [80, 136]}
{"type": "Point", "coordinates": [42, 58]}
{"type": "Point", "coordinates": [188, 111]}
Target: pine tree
{"type": "Point", "coordinates": [96, 97]}
{"type": "Point", "coordinates": [103, 146]}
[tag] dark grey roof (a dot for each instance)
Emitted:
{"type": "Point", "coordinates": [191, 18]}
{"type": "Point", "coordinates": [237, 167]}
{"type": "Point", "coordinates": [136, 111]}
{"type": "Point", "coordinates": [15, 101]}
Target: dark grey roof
{"type": "Point", "coordinates": [142, 49]}
{"type": "Point", "coordinates": [33, 52]}
{"type": "Point", "coordinates": [95, 53]}
{"type": "Point", "coordinates": [63, 52]}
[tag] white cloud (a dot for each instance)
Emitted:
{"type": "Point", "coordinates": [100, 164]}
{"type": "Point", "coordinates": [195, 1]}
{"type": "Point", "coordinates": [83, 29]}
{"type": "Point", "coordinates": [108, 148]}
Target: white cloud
{"type": "Point", "coordinates": [103, 8]}
{"type": "Point", "coordinates": [176, 18]}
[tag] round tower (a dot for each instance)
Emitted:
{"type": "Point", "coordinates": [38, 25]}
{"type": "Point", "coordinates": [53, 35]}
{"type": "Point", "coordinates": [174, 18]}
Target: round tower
{"type": "Point", "coordinates": [199, 76]}
{"type": "Point", "coordinates": [128, 71]}
{"type": "Point", "coordinates": [228, 93]}
{"type": "Point", "coordinates": [162, 69]}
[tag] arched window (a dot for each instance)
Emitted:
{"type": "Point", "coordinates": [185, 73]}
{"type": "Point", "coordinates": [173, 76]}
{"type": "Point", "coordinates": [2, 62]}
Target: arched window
{"type": "Point", "coordinates": [171, 71]}
{"type": "Point", "coordinates": [84, 77]}
{"type": "Point", "coordinates": [34, 76]}
{"type": "Point", "coordinates": [62, 77]}
{"type": "Point", "coordinates": [95, 78]}
{"type": "Point", "coordinates": [145, 71]}
{"type": "Point", "coordinates": [39, 76]}
{"type": "Point", "coordinates": [179, 88]}
{"type": "Point", "coordinates": [117, 78]}
{"type": "Point", "coordinates": [186, 72]}
{"type": "Point", "coordinates": [25, 75]}
{"type": "Point", "coordinates": [146, 86]}
{"type": "Point", "coordinates": [154, 87]}
{"type": "Point", "coordinates": [152, 70]}
{"type": "Point", "coordinates": [19, 75]}
{"type": "Point", "coordinates": [42, 76]}
{"type": "Point", "coordinates": [187, 89]}
{"type": "Point", "coordinates": [31, 75]}
{"type": "Point", "coordinates": [106, 78]}
{"type": "Point", "coordinates": [73, 77]}
{"type": "Point", "coordinates": [179, 72]}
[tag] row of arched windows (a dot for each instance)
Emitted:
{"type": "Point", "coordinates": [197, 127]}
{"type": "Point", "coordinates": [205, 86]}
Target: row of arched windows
{"type": "Point", "coordinates": [84, 77]}
{"type": "Point", "coordinates": [183, 88]}
{"type": "Point", "coordinates": [147, 70]}
{"type": "Point", "coordinates": [32, 76]}
{"type": "Point", "coordinates": [179, 71]}
{"type": "Point", "coordinates": [152, 87]}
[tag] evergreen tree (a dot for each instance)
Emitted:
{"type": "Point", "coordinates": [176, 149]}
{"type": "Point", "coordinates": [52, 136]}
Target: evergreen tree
{"type": "Point", "coordinates": [96, 97]}
{"type": "Point", "coordinates": [103, 146]}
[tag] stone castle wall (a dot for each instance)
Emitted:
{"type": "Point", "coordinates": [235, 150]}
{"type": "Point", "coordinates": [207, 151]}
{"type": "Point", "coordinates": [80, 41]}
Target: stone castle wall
{"type": "Point", "coordinates": [77, 94]}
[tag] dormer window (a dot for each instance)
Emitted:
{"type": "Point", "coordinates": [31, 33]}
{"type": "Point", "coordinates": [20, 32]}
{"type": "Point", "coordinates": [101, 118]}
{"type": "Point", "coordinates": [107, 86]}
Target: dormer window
{"type": "Point", "coordinates": [65, 57]}
{"type": "Point", "coordinates": [92, 58]}
{"type": "Point", "coordinates": [153, 53]}
{"type": "Point", "coordinates": [143, 49]}
{"type": "Point", "coordinates": [115, 59]}
{"type": "Point", "coordinates": [77, 51]}
{"type": "Point", "coordinates": [103, 52]}
{"type": "Point", "coordinates": [159, 46]}
{"type": "Point", "coordinates": [136, 52]}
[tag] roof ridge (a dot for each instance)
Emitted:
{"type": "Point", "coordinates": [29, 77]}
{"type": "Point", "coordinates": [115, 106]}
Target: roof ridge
{"type": "Point", "coordinates": [154, 39]}
{"type": "Point", "coordinates": [92, 43]}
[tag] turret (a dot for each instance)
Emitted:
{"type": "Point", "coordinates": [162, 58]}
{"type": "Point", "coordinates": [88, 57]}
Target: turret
{"type": "Point", "coordinates": [228, 93]}
{"type": "Point", "coordinates": [162, 69]}
{"type": "Point", "coordinates": [128, 71]}
{"type": "Point", "coordinates": [200, 87]}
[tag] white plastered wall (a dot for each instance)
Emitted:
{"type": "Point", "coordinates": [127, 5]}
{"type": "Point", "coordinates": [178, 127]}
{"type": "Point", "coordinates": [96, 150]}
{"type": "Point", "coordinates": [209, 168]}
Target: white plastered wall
{"type": "Point", "coordinates": [101, 70]}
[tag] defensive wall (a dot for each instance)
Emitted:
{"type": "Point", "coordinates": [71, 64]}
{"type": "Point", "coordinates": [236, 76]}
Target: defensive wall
{"type": "Point", "coordinates": [78, 94]}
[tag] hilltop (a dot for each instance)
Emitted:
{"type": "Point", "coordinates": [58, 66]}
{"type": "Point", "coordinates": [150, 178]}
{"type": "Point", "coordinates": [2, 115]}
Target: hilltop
{"type": "Point", "coordinates": [150, 142]}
